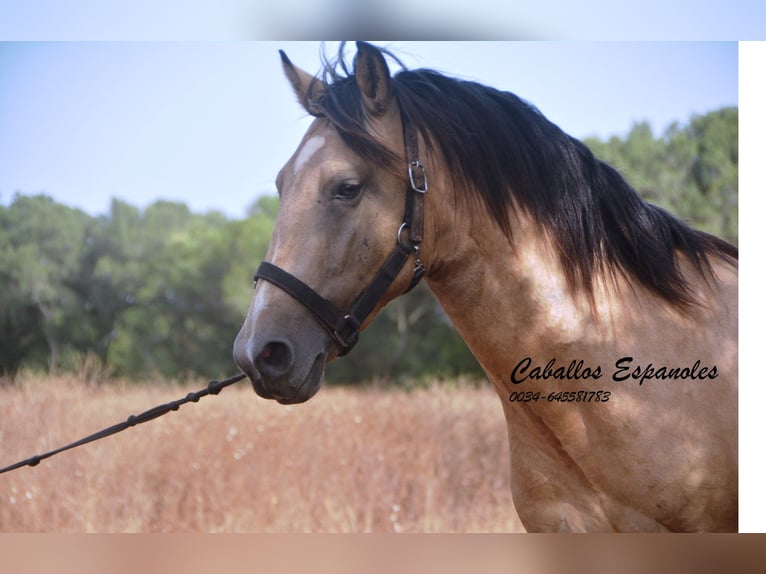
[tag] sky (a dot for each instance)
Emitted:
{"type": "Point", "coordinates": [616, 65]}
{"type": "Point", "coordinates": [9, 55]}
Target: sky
{"type": "Point", "coordinates": [211, 123]}
{"type": "Point", "coordinates": [400, 19]}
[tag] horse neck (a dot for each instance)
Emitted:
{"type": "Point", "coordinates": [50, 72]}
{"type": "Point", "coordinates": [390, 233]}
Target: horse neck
{"type": "Point", "coordinates": [503, 297]}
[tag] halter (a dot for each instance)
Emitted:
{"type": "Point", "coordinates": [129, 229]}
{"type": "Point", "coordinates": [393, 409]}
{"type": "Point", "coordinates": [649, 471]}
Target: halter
{"type": "Point", "coordinates": [343, 326]}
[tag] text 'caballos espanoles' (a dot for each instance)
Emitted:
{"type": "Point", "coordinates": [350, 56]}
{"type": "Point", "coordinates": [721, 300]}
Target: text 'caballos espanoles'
{"type": "Point", "coordinates": [624, 370]}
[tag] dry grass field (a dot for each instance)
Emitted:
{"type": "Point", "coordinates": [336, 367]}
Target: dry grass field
{"type": "Point", "coordinates": [349, 460]}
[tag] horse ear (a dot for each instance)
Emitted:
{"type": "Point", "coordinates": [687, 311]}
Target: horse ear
{"type": "Point", "coordinates": [373, 78]}
{"type": "Point", "coordinates": [307, 88]}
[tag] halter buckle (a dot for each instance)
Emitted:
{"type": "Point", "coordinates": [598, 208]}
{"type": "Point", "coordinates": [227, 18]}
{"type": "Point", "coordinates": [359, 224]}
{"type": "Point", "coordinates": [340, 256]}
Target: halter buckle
{"type": "Point", "coordinates": [418, 177]}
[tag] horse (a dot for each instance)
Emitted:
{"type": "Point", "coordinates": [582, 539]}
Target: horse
{"type": "Point", "coordinates": [606, 326]}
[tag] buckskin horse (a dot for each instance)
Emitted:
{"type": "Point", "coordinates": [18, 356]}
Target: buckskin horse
{"type": "Point", "coordinates": [607, 327]}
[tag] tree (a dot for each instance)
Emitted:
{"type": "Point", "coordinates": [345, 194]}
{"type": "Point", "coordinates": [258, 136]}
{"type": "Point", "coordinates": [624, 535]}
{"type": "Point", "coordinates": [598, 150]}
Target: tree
{"type": "Point", "coordinates": [109, 276]}
{"type": "Point", "coordinates": [689, 170]}
{"type": "Point", "coordinates": [43, 243]}
{"type": "Point", "coordinates": [715, 170]}
{"type": "Point", "coordinates": [176, 320]}
{"type": "Point", "coordinates": [20, 333]}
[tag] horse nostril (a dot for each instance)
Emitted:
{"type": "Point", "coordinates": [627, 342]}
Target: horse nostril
{"type": "Point", "coordinates": [275, 358]}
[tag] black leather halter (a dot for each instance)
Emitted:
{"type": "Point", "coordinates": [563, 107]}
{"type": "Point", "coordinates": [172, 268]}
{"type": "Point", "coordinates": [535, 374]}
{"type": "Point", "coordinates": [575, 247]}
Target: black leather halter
{"type": "Point", "coordinates": [343, 326]}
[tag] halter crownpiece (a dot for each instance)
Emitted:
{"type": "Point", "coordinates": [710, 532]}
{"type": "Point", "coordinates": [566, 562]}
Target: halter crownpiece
{"type": "Point", "coordinates": [343, 326]}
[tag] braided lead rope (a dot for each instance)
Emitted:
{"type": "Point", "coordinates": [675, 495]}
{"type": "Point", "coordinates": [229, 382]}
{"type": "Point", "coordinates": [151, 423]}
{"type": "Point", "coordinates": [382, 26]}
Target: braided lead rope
{"type": "Point", "coordinates": [213, 388]}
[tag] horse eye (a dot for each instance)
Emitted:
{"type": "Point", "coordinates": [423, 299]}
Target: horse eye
{"type": "Point", "coordinates": [348, 191]}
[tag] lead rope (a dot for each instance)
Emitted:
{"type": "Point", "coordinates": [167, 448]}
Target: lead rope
{"type": "Point", "coordinates": [213, 388]}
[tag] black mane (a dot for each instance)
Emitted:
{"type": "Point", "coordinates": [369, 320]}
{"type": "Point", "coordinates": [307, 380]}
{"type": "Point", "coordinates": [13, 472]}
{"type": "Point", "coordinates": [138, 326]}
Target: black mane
{"type": "Point", "coordinates": [505, 153]}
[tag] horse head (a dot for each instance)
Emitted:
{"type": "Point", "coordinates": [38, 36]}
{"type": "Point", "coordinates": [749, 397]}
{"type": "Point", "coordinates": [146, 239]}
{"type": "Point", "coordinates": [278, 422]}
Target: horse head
{"type": "Point", "coordinates": [340, 241]}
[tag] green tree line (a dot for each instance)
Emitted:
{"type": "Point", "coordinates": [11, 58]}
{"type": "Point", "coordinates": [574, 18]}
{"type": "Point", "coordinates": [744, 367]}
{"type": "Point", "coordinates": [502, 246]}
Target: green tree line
{"type": "Point", "coordinates": [162, 291]}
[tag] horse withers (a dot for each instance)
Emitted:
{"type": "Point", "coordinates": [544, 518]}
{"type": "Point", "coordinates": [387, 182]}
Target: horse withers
{"type": "Point", "coordinates": [607, 327]}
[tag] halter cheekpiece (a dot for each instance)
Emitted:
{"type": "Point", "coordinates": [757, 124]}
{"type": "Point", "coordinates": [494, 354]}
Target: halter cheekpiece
{"type": "Point", "coordinates": [343, 326]}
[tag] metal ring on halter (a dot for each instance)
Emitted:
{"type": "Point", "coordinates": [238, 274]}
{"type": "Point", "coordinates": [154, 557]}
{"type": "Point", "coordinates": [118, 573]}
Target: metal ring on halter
{"type": "Point", "coordinates": [414, 246]}
{"type": "Point", "coordinates": [402, 227]}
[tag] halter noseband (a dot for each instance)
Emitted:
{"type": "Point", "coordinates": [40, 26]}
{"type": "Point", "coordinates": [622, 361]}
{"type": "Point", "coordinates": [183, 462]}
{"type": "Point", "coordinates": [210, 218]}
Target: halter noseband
{"type": "Point", "coordinates": [343, 326]}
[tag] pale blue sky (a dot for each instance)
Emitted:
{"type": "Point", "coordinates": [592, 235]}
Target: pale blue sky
{"type": "Point", "coordinates": [211, 123]}
{"type": "Point", "coordinates": [313, 19]}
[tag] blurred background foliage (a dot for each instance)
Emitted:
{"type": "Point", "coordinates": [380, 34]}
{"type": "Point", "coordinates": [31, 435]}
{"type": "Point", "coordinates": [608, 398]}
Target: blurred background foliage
{"type": "Point", "coordinates": [162, 291]}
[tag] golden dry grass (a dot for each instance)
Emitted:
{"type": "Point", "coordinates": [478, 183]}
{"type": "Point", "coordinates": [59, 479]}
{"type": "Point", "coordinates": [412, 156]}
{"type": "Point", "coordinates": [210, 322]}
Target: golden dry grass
{"type": "Point", "coordinates": [349, 460]}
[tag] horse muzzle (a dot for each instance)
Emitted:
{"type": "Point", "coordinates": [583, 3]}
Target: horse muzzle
{"type": "Point", "coordinates": [275, 371]}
